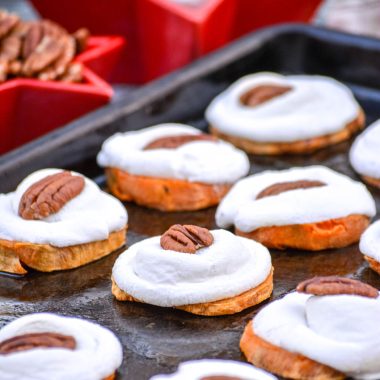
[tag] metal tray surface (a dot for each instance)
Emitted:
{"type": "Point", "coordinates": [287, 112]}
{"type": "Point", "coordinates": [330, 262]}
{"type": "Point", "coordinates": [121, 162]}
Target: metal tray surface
{"type": "Point", "coordinates": [155, 340]}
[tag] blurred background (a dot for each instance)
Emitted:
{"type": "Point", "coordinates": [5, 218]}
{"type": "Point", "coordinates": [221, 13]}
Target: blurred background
{"type": "Point", "coordinates": [132, 42]}
{"type": "Point", "coordinates": [163, 35]}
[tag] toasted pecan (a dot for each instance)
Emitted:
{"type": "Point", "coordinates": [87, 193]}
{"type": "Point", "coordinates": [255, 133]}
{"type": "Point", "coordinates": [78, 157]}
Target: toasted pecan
{"type": "Point", "coordinates": [261, 94]}
{"type": "Point", "coordinates": [61, 64]}
{"type": "Point", "coordinates": [49, 195]}
{"type": "Point", "coordinates": [73, 74]}
{"type": "Point", "coordinates": [47, 51]}
{"type": "Point", "coordinates": [37, 340]}
{"type": "Point", "coordinates": [186, 238]}
{"type": "Point", "coordinates": [334, 285]}
{"type": "Point", "coordinates": [10, 48]}
{"type": "Point", "coordinates": [81, 38]}
{"type": "Point", "coordinates": [7, 22]}
{"type": "Point", "coordinates": [32, 38]}
{"type": "Point", "coordinates": [282, 187]}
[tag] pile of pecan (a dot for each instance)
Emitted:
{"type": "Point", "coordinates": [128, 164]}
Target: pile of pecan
{"type": "Point", "coordinates": [39, 49]}
{"type": "Point", "coordinates": [261, 94]}
{"type": "Point", "coordinates": [37, 340]}
{"type": "Point", "coordinates": [282, 187]}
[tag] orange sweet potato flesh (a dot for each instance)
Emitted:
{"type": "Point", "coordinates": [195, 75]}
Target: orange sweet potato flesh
{"type": "Point", "coordinates": [164, 194]}
{"type": "Point", "coordinates": [334, 233]}
{"type": "Point", "coordinates": [46, 258]}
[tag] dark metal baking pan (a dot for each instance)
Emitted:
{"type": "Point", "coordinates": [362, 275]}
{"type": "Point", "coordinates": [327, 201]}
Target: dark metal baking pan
{"type": "Point", "coordinates": [154, 339]}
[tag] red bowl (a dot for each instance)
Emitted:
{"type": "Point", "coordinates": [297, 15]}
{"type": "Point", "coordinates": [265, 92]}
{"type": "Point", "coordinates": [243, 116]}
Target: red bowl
{"type": "Point", "coordinates": [30, 108]}
{"type": "Point", "coordinates": [102, 55]}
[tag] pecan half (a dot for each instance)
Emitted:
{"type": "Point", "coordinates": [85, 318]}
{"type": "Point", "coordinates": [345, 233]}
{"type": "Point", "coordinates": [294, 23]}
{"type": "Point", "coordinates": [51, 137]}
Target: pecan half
{"type": "Point", "coordinates": [49, 195]}
{"type": "Point", "coordinates": [81, 38]}
{"type": "Point", "coordinates": [7, 22]}
{"type": "Point", "coordinates": [172, 142]}
{"type": "Point", "coordinates": [186, 238]}
{"type": "Point", "coordinates": [333, 285]}
{"type": "Point", "coordinates": [10, 51]}
{"type": "Point", "coordinates": [282, 187]}
{"type": "Point", "coordinates": [37, 340]}
{"type": "Point", "coordinates": [52, 29]}
{"type": "Point", "coordinates": [261, 94]}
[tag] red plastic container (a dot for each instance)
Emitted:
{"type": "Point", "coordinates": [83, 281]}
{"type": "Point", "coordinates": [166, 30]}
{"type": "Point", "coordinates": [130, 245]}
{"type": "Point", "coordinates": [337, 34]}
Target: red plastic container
{"type": "Point", "coordinates": [30, 108]}
{"type": "Point", "coordinates": [164, 35]}
{"type": "Point", "coordinates": [102, 55]}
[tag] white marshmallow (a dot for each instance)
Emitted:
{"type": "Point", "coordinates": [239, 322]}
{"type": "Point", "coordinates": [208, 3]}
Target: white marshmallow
{"type": "Point", "coordinates": [211, 162]}
{"type": "Point", "coordinates": [370, 241]}
{"type": "Point", "coordinates": [364, 153]}
{"type": "Point", "coordinates": [89, 217]}
{"type": "Point", "coordinates": [340, 331]}
{"type": "Point", "coordinates": [197, 369]}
